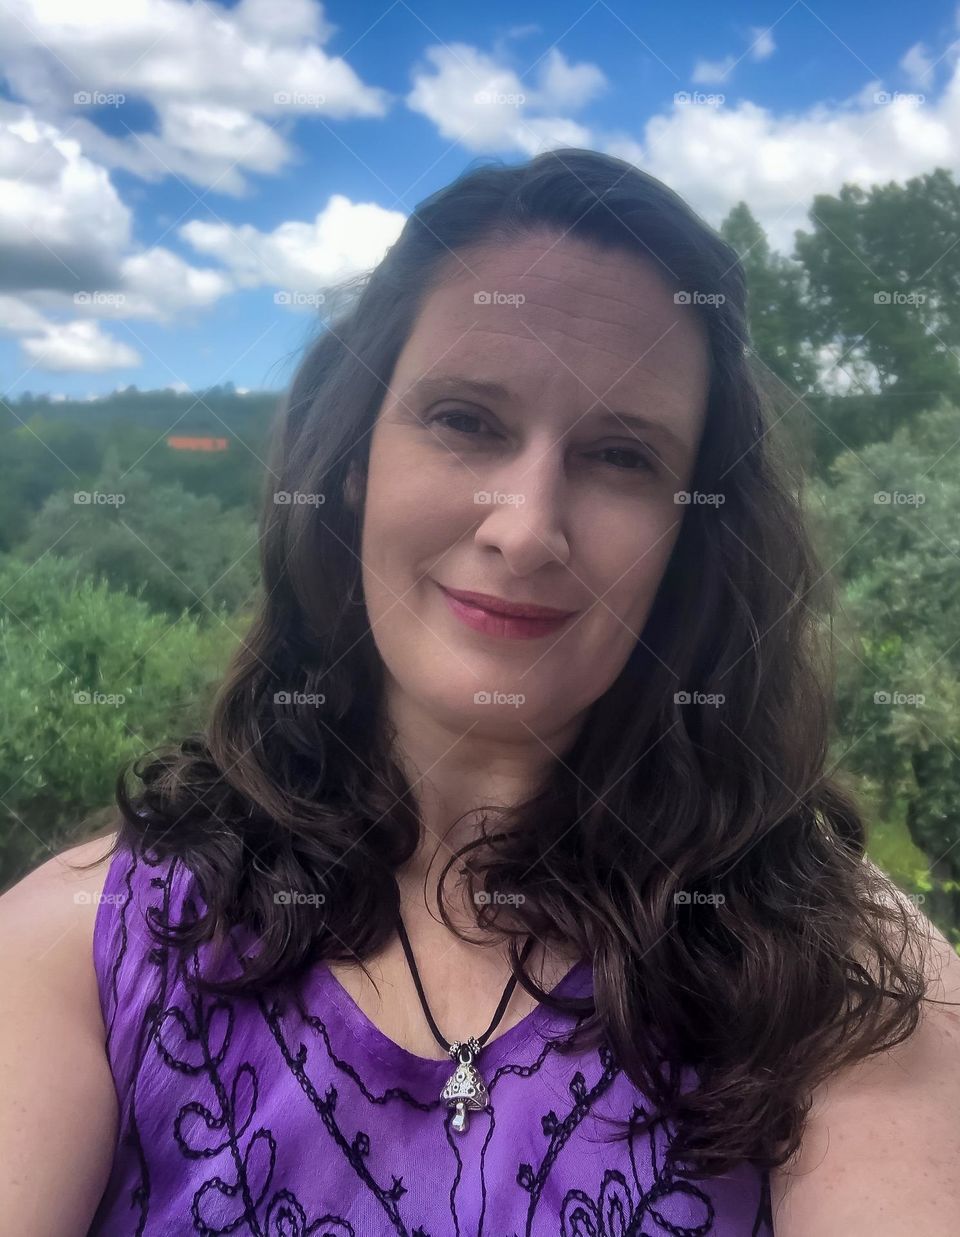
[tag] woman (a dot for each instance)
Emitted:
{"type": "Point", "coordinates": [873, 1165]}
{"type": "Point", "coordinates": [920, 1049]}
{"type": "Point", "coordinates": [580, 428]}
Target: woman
{"type": "Point", "coordinates": [662, 990]}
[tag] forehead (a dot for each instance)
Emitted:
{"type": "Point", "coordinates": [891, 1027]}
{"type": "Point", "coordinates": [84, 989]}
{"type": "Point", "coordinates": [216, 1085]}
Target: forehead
{"type": "Point", "coordinates": [545, 313]}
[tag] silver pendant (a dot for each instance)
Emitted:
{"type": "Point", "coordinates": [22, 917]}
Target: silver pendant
{"type": "Point", "coordinates": [465, 1089]}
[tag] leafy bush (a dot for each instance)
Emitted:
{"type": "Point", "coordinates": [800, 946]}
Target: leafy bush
{"type": "Point", "coordinates": [92, 678]}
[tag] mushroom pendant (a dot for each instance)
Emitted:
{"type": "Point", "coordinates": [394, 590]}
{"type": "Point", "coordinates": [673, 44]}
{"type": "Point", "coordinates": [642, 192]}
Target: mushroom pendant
{"type": "Point", "coordinates": [465, 1090]}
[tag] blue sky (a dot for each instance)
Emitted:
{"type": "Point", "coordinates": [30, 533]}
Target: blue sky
{"type": "Point", "coordinates": [167, 169]}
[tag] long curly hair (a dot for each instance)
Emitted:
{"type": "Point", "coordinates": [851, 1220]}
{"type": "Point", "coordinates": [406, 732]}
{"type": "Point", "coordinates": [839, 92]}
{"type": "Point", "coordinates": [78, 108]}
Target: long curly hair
{"type": "Point", "coordinates": [702, 857]}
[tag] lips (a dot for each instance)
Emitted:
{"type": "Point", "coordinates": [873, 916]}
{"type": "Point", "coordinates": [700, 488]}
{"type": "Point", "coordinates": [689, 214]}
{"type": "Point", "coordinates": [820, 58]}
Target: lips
{"type": "Point", "coordinates": [511, 609]}
{"type": "Point", "coordinates": [532, 623]}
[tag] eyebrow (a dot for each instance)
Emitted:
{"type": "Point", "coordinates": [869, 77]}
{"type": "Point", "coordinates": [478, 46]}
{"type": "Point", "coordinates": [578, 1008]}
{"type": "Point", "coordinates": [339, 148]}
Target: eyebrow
{"type": "Point", "coordinates": [439, 384]}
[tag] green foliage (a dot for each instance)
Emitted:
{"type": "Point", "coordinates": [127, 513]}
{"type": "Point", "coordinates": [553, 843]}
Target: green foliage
{"type": "Point", "coordinates": [175, 550]}
{"type": "Point", "coordinates": [898, 641]}
{"type": "Point", "coordinates": [48, 446]}
{"type": "Point", "coordinates": [780, 322]}
{"type": "Point", "coordinates": [32, 466]}
{"type": "Point", "coordinates": [92, 678]}
{"type": "Point", "coordinates": [883, 275]}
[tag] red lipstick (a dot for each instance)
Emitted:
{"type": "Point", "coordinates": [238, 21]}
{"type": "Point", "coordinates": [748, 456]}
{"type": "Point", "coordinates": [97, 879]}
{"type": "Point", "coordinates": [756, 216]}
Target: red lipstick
{"type": "Point", "coordinates": [495, 616]}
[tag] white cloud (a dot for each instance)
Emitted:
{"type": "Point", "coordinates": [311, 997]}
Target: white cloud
{"type": "Point", "coordinates": [158, 284]}
{"type": "Point", "coordinates": [284, 20]}
{"type": "Point", "coordinates": [61, 219]}
{"type": "Point", "coordinates": [918, 66]}
{"type": "Point", "coordinates": [567, 86]}
{"type": "Point", "coordinates": [210, 72]}
{"type": "Point", "coordinates": [343, 239]}
{"type": "Point", "coordinates": [65, 247]}
{"type": "Point", "coordinates": [486, 107]}
{"type": "Point", "coordinates": [18, 317]}
{"type": "Point", "coordinates": [78, 346]}
{"type": "Point", "coordinates": [717, 156]}
{"type": "Point", "coordinates": [762, 45]}
{"type": "Point", "coordinates": [64, 230]}
{"type": "Point", "coordinates": [155, 284]}
{"type": "Point", "coordinates": [709, 72]}
{"type": "Point", "coordinates": [538, 133]}
{"type": "Point", "coordinates": [714, 156]}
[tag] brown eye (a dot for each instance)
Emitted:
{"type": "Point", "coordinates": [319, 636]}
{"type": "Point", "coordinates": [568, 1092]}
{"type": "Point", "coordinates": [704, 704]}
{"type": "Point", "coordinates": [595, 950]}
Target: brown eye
{"type": "Point", "coordinates": [643, 462]}
{"type": "Point", "coordinates": [457, 414]}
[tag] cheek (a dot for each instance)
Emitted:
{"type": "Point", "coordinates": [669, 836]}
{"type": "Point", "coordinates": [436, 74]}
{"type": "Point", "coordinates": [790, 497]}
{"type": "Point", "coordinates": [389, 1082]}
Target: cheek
{"type": "Point", "coordinates": [410, 501]}
{"type": "Point", "coordinates": [629, 572]}
{"type": "Point", "coordinates": [405, 535]}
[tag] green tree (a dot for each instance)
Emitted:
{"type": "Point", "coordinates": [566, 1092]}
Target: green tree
{"type": "Point", "coordinates": [176, 550]}
{"type": "Point", "coordinates": [779, 315]}
{"type": "Point", "coordinates": [887, 519]}
{"type": "Point", "coordinates": [882, 269]}
{"type": "Point", "coordinates": [36, 460]}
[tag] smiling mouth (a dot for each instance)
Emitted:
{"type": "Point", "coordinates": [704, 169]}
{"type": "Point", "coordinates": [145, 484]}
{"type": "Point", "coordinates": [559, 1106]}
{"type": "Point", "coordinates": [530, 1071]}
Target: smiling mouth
{"type": "Point", "coordinates": [509, 609]}
{"type": "Point", "coordinates": [496, 623]}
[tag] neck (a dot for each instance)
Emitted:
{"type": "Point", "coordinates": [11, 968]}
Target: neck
{"type": "Point", "coordinates": [454, 773]}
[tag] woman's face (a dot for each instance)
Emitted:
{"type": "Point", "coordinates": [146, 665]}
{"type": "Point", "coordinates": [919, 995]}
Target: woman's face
{"type": "Point", "coordinates": [536, 494]}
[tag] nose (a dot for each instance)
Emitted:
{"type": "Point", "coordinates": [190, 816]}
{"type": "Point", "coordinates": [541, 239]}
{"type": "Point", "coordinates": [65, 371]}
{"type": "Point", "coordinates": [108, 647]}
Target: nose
{"type": "Point", "coordinates": [525, 512]}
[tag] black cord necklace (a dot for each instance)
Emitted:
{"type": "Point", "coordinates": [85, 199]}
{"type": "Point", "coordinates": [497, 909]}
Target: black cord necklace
{"type": "Point", "coordinates": [465, 1089]}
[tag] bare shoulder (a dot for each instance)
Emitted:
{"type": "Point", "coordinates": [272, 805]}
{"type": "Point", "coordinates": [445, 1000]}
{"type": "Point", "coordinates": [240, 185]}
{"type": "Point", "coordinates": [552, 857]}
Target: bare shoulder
{"type": "Point", "coordinates": [52, 908]}
{"type": "Point", "coordinates": [58, 1111]}
{"type": "Point", "coordinates": [67, 869]}
{"type": "Point", "coordinates": [881, 1145]}
{"type": "Point", "coordinates": [47, 922]}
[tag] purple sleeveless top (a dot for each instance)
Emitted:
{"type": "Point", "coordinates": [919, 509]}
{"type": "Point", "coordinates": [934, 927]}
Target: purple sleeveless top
{"type": "Point", "coordinates": [265, 1115]}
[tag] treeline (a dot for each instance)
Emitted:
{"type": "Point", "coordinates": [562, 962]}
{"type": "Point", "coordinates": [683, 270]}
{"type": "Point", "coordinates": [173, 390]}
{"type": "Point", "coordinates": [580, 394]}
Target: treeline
{"type": "Point", "coordinates": [854, 337]}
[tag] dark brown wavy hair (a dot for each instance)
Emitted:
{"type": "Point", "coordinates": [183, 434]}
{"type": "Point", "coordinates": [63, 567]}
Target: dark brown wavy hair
{"type": "Point", "coordinates": [701, 856]}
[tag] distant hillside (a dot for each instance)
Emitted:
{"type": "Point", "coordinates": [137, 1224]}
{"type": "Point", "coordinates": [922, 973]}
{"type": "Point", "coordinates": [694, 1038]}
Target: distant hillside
{"type": "Point", "coordinates": [51, 445]}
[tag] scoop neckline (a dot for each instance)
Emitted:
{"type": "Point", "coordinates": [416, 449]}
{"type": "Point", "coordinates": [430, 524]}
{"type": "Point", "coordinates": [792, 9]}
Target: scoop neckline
{"type": "Point", "coordinates": [378, 1044]}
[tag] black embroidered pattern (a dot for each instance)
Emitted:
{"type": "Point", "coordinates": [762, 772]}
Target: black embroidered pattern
{"type": "Point", "coordinates": [190, 1034]}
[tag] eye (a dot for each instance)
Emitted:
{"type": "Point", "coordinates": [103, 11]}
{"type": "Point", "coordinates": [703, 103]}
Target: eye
{"type": "Point", "coordinates": [462, 415]}
{"type": "Point", "coordinates": [639, 459]}
{"type": "Point", "coordinates": [643, 459]}
{"type": "Point", "coordinates": [459, 414]}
